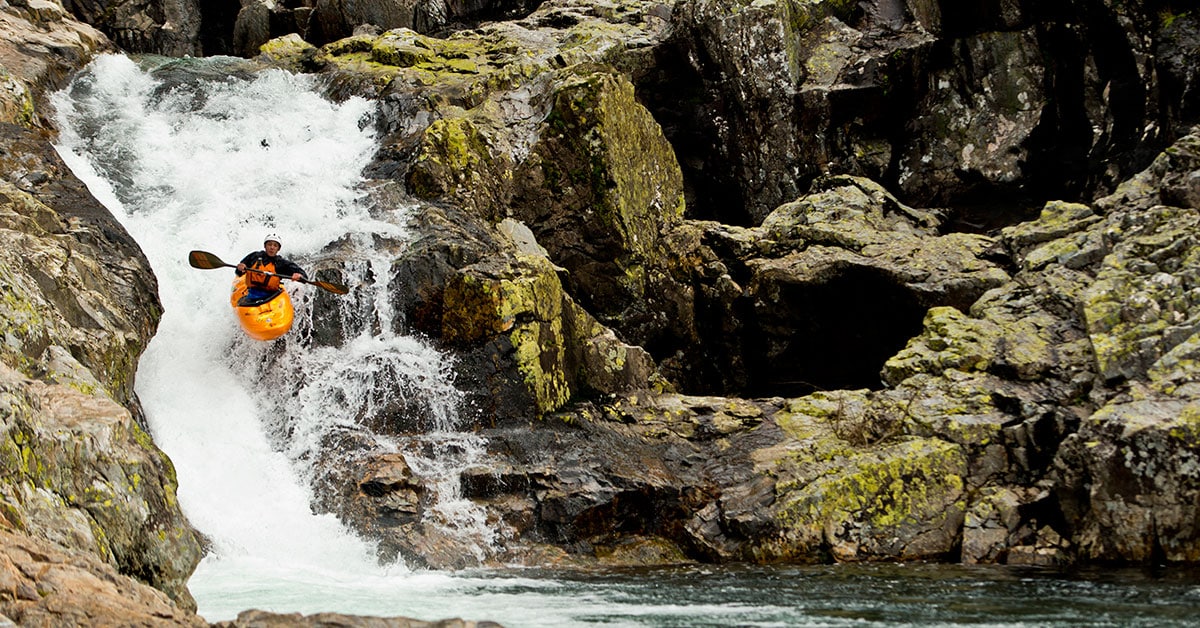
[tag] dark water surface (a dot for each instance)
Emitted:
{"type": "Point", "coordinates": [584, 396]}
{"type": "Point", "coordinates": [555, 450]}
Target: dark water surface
{"type": "Point", "coordinates": [872, 595]}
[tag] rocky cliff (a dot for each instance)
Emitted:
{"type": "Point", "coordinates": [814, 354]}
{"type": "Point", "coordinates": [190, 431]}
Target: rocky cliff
{"type": "Point", "coordinates": [87, 502]}
{"type": "Point", "coordinates": [794, 281]}
{"type": "Point", "coordinates": [782, 281]}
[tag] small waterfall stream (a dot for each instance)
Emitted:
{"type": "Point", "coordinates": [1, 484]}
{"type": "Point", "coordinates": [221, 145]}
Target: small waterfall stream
{"type": "Point", "coordinates": [192, 162]}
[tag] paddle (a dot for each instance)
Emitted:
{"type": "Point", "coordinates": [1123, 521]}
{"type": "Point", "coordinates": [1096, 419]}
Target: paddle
{"type": "Point", "coordinates": [208, 261]}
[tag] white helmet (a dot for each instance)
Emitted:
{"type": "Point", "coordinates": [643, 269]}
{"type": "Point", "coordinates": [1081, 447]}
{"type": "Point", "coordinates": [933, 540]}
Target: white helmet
{"type": "Point", "coordinates": [271, 237]}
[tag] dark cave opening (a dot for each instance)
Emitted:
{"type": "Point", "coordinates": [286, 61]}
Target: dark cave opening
{"type": "Point", "coordinates": [217, 20]}
{"type": "Point", "coordinates": [832, 335]}
{"type": "Point", "coordinates": [988, 211]}
{"type": "Point", "coordinates": [694, 120]}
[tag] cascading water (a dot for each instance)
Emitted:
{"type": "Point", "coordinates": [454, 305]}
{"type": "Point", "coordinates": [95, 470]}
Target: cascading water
{"type": "Point", "coordinates": [215, 157]}
{"type": "Point", "coordinates": [215, 164]}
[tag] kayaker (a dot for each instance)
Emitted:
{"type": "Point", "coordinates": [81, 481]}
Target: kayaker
{"type": "Point", "coordinates": [263, 287]}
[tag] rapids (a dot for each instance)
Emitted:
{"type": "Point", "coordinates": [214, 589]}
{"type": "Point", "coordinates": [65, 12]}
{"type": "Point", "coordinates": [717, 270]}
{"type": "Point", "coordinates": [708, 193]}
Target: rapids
{"type": "Point", "coordinates": [202, 154]}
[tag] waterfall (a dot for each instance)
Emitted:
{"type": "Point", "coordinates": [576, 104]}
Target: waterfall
{"type": "Point", "coordinates": [214, 160]}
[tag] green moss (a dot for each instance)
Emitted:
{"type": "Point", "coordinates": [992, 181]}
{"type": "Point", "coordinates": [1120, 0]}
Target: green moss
{"type": "Point", "coordinates": [527, 306]}
{"type": "Point", "coordinates": [12, 517]}
{"type": "Point", "coordinates": [19, 458]}
{"type": "Point", "coordinates": [453, 148]}
{"type": "Point", "coordinates": [539, 359]}
{"type": "Point", "coordinates": [802, 15]}
{"type": "Point", "coordinates": [350, 46]}
{"type": "Point", "coordinates": [103, 543]}
{"type": "Point", "coordinates": [1187, 427]}
{"type": "Point", "coordinates": [908, 483]}
{"type": "Point", "coordinates": [1167, 18]}
{"type": "Point", "coordinates": [400, 53]}
{"type": "Point", "coordinates": [22, 316]}
{"type": "Point", "coordinates": [16, 101]}
{"type": "Point", "coordinates": [617, 152]}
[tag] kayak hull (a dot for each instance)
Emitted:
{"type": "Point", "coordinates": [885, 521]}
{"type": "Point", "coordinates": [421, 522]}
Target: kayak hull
{"type": "Point", "coordinates": [266, 321]}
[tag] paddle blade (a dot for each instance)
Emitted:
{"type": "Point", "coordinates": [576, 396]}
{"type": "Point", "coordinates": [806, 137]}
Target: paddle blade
{"type": "Point", "coordinates": [335, 288]}
{"type": "Point", "coordinates": [205, 260]}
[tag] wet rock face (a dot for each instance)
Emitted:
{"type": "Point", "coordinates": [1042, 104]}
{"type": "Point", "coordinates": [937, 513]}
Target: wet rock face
{"type": "Point", "coordinates": [169, 27]}
{"type": "Point", "coordinates": [1180, 42]}
{"type": "Point", "coordinates": [86, 499]}
{"type": "Point", "coordinates": [946, 105]}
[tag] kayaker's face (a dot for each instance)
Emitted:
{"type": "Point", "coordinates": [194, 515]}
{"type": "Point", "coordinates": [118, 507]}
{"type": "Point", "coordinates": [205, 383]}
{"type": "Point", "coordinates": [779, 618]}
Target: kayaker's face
{"type": "Point", "coordinates": [271, 247]}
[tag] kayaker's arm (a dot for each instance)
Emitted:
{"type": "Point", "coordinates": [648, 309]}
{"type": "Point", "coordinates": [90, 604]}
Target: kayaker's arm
{"type": "Point", "coordinates": [288, 268]}
{"type": "Point", "coordinates": [240, 269]}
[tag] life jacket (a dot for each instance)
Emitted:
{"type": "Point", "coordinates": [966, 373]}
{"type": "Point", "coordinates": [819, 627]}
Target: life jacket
{"type": "Point", "coordinates": [259, 280]}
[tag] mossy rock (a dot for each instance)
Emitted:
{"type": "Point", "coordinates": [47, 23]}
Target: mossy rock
{"type": "Point", "coordinates": [456, 162]}
{"type": "Point", "coordinates": [16, 101]}
{"type": "Point", "coordinates": [904, 500]}
{"type": "Point", "coordinates": [600, 188]}
{"type": "Point", "coordinates": [76, 468]}
{"type": "Point", "coordinates": [1129, 481]}
{"type": "Point", "coordinates": [290, 52]}
{"type": "Point", "coordinates": [1143, 301]}
{"type": "Point", "coordinates": [523, 302]}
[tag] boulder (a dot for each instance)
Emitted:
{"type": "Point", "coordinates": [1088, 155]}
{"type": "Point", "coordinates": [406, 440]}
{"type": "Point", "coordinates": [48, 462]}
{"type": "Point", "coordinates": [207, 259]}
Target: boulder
{"type": "Point", "coordinates": [978, 123]}
{"type": "Point", "coordinates": [903, 502]}
{"type": "Point", "coordinates": [79, 471]}
{"type": "Point", "coordinates": [519, 322]}
{"type": "Point", "coordinates": [600, 190]}
{"type": "Point", "coordinates": [44, 585]}
{"type": "Point", "coordinates": [1129, 481]}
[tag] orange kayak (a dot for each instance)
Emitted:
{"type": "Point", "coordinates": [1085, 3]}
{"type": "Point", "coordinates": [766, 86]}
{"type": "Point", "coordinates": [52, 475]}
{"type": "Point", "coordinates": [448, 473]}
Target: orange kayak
{"type": "Point", "coordinates": [265, 320]}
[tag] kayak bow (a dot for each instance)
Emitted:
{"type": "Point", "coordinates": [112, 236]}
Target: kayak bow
{"type": "Point", "coordinates": [264, 321]}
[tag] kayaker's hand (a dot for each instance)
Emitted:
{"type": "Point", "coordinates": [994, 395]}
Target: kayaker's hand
{"type": "Point", "coordinates": [241, 268]}
{"type": "Point", "coordinates": [297, 276]}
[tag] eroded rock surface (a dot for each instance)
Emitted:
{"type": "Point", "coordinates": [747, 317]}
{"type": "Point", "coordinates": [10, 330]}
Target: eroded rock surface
{"type": "Point", "coordinates": [935, 370]}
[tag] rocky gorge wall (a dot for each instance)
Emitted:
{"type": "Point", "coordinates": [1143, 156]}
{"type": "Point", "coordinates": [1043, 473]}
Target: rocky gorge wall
{"type": "Point", "coordinates": [781, 281]}
{"type": "Point", "coordinates": [88, 512]}
{"type": "Point", "coordinates": [794, 282]}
